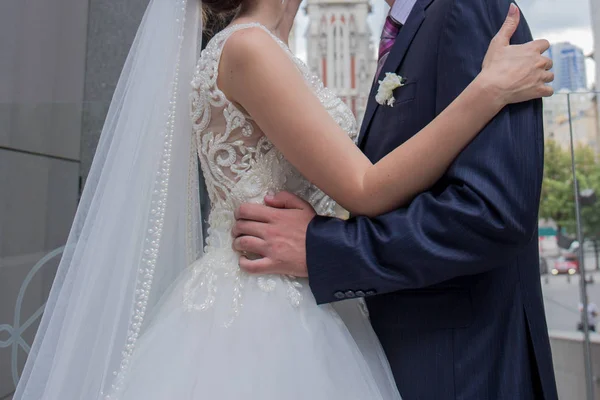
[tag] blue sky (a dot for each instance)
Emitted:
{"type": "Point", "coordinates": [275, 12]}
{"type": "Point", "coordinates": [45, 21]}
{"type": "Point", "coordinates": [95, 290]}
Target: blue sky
{"type": "Point", "coordinates": [555, 20]}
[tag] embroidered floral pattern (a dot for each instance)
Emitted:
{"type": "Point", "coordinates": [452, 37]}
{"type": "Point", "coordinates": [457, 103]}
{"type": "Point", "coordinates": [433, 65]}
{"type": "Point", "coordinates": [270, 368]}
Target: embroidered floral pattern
{"type": "Point", "coordinates": [240, 165]}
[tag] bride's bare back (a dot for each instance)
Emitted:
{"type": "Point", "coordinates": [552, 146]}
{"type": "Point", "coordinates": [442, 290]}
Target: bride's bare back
{"type": "Point", "coordinates": [239, 162]}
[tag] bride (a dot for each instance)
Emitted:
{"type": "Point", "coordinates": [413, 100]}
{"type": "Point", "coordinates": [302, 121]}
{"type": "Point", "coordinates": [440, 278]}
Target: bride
{"type": "Point", "coordinates": [138, 309]}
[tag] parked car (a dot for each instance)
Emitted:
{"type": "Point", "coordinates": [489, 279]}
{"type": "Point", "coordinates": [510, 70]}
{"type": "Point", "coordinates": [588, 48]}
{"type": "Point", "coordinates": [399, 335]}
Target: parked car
{"type": "Point", "coordinates": [543, 266]}
{"type": "Point", "coordinates": [588, 247]}
{"type": "Point", "coordinates": [566, 264]}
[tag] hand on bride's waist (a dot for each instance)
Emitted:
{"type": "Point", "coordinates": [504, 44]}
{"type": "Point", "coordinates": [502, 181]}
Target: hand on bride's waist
{"type": "Point", "coordinates": [271, 238]}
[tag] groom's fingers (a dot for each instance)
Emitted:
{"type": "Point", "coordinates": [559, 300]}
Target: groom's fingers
{"type": "Point", "coordinates": [286, 200]}
{"type": "Point", "coordinates": [538, 46]}
{"type": "Point", "coordinates": [547, 76]}
{"type": "Point", "coordinates": [541, 45]}
{"type": "Point", "coordinates": [250, 228]}
{"type": "Point", "coordinates": [509, 27]}
{"type": "Point", "coordinates": [250, 245]}
{"type": "Point", "coordinates": [546, 90]}
{"type": "Point", "coordinates": [548, 63]}
{"type": "Point", "coordinates": [254, 212]}
{"type": "Point", "coordinates": [259, 266]}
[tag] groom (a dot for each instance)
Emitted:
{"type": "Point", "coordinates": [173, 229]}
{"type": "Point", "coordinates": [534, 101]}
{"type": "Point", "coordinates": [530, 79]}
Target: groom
{"type": "Point", "coordinates": [452, 280]}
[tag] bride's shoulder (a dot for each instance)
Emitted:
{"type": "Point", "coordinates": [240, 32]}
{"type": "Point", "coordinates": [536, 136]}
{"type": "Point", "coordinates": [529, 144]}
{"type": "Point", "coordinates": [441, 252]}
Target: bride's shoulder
{"type": "Point", "coordinates": [236, 37]}
{"type": "Point", "coordinates": [249, 53]}
{"type": "Point", "coordinates": [247, 44]}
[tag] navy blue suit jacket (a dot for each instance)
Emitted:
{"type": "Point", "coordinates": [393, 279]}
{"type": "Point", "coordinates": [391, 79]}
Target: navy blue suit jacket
{"type": "Point", "coordinates": [452, 280]}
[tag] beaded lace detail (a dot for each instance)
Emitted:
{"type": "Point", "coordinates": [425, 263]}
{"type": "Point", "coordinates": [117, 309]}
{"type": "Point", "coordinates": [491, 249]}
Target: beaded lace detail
{"type": "Point", "coordinates": [241, 165]}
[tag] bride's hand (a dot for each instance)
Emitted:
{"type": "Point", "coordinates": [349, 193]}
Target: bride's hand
{"type": "Point", "coordinates": [516, 73]}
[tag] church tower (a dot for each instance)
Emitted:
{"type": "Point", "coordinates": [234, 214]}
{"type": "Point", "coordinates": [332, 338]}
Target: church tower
{"type": "Point", "coordinates": [340, 50]}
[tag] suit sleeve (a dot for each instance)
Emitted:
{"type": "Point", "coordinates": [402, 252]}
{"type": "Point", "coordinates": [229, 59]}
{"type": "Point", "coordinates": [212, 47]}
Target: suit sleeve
{"type": "Point", "coordinates": [478, 217]}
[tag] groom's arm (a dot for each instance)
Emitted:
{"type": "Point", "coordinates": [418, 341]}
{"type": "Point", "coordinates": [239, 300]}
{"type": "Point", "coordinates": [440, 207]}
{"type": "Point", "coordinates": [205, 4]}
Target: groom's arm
{"type": "Point", "coordinates": [485, 214]}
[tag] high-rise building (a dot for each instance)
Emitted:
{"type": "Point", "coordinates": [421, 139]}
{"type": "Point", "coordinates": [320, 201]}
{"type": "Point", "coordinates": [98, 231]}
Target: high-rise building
{"type": "Point", "coordinates": [569, 67]}
{"type": "Point", "coordinates": [340, 50]}
{"type": "Point", "coordinates": [595, 16]}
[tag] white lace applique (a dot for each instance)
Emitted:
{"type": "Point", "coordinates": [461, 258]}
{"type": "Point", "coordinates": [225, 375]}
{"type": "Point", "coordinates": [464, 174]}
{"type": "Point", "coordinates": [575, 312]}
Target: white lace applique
{"type": "Point", "coordinates": [240, 165]}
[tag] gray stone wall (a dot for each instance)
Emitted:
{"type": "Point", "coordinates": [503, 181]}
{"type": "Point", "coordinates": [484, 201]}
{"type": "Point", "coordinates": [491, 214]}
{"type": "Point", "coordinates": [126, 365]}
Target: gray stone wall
{"type": "Point", "coordinates": [111, 29]}
{"type": "Point", "coordinates": [42, 68]}
{"type": "Point", "coordinates": [57, 76]}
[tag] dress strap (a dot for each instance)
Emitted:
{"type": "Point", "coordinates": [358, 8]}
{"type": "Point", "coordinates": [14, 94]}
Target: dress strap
{"type": "Point", "coordinates": [207, 68]}
{"type": "Point", "coordinates": [215, 47]}
{"type": "Point", "coordinates": [230, 30]}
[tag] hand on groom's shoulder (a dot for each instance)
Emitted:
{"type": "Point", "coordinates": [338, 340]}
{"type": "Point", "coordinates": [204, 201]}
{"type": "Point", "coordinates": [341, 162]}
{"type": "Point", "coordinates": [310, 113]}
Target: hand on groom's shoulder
{"type": "Point", "coordinates": [468, 28]}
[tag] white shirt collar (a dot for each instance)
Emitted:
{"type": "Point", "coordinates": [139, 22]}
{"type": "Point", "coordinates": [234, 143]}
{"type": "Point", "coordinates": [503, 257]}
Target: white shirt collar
{"type": "Point", "coordinates": [401, 10]}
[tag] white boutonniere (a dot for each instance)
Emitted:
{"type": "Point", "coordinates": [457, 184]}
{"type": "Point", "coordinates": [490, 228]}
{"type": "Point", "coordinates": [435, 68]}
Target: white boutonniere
{"type": "Point", "coordinates": [385, 93]}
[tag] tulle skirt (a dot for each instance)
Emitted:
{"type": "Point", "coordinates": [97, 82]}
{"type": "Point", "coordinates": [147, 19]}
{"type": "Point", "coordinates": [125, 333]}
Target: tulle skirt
{"type": "Point", "coordinates": [227, 335]}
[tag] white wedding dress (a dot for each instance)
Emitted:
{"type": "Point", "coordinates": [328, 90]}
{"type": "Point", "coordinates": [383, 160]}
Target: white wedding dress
{"type": "Point", "coordinates": [221, 334]}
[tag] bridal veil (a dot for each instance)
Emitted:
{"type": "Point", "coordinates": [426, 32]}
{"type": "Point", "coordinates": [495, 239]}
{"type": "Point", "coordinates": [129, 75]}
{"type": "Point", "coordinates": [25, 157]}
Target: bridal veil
{"type": "Point", "coordinates": [138, 224]}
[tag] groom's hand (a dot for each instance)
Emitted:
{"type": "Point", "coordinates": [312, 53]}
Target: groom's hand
{"type": "Point", "coordinates": [275, 235]}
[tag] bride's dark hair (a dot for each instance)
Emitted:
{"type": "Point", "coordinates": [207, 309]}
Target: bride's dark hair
{"type": "Point", "coordinates": [217, 14]}
{"type": "Point", "coordinates": [221, 7]}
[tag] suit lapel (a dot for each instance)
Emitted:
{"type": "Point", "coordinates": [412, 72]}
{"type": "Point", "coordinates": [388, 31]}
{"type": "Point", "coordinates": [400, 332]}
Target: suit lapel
{"type": "Point", "coordinates": [394, 59]}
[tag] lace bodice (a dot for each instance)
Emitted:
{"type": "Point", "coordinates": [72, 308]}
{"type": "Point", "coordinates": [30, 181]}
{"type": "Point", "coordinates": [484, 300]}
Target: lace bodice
{"type": "Point", "coordinates": [238, 161]}
{"type": "Point", "coordinates": [239, 165]}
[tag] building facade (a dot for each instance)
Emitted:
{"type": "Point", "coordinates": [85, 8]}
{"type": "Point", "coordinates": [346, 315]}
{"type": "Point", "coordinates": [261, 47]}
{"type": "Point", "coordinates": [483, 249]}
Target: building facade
{"type": "Point", "coordinates": [569, 67]}
{"type": "Point", "coordinates": [584, 119]}
{"type": "Point", "coordinates": [340, 50]}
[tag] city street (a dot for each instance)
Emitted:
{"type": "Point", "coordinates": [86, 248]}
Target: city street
{"type": "Point", "coordinates": [561, 298]}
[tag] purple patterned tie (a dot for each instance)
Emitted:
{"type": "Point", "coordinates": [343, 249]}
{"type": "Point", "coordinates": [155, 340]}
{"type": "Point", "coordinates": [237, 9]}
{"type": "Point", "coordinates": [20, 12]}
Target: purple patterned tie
{"type": "Point", "coordinates": [388, 37]}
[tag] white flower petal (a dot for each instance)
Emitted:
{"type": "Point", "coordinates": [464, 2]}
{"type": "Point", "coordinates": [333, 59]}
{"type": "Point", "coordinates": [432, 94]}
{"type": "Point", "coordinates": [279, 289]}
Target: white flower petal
{"type": "Point", "coordinates": [385, 92]}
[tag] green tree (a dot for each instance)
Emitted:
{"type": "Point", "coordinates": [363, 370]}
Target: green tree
{"type": "Point", "coordinates": [588, 176]}
{"type": "Point", "coordinates": [557, 188]}
{"type": "Point", "coordinates": [557, 202]}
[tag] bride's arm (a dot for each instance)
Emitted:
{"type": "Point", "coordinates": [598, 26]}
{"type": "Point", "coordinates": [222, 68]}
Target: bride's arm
{"type": "Point", "coordinates": [257, 74]}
